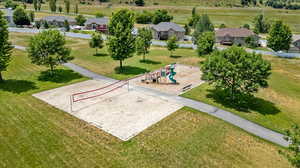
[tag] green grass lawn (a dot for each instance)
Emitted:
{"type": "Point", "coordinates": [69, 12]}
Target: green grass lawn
{"type": "Point", "coordinates": [276, 107]}
{"type": "Point", "coordinates": [103, 64]}
{"type": "Point", "coordinates": [34, 134]}
{"type": "Point", "coordinates": [181, 10]}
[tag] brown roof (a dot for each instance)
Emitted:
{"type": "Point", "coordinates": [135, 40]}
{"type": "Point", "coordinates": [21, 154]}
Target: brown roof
{"type": "Point", "coordinates": [234, 32]}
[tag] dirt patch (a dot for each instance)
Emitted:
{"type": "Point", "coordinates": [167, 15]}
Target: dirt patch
{"type": "Point", "coordinates": [123, 113]}
{"type": "Point", "coordinates": [187, 77]}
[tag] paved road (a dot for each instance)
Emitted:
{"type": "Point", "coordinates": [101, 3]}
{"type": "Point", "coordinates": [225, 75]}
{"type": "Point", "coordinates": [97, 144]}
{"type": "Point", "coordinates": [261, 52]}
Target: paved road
{"type": "Point", "coordinates": [20, 47]}
{"type": "Point", "coordinates": [192, 46]}
{"type": "Point", "coordinates": [154, 42]}
{"type": "Point", "coordinates": [68, 34]}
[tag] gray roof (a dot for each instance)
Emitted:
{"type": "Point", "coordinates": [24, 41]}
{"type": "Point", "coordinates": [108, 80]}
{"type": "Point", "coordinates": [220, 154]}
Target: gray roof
{"type": "Point", "coordinates": [99, 21]}
{"type": "Point", "coordinates": [296, 37]}
{"type": "Point", "coordinates": [58, 18]}
{"type": "Point", "coordinates": [166, 26]}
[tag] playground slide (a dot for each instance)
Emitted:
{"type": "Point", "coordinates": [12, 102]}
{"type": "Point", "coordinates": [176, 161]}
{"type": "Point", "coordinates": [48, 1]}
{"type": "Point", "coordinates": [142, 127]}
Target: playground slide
{"type": "Point", "coordinates": [172, 74]}
{"type": "Point", "coordinates": [171, 77]}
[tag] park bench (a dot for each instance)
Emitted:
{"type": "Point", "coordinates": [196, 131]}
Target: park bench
{"type": "Point", "coordinates": [186, 88]}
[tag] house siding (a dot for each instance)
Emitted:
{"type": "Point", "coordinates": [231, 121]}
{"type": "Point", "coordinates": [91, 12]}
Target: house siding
{"type": "Point", "coordinates": [233, 40]}
{"type": "Point", "coordinates": [98, 27]}
{"type": "Point", "coordinates": [165, 35]}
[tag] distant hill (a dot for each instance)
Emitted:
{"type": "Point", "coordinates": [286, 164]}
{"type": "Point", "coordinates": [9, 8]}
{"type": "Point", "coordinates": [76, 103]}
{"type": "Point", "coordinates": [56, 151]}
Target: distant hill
{"type": "Point", "coordinates": [212, 3]}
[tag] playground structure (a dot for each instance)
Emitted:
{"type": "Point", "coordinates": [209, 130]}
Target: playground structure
{"type": "Point", "coordinates": [122, 110]}
{"type": "Point", "coordinates": [161, 76]}
{"type": "Point", "coordinates": [187, 77]}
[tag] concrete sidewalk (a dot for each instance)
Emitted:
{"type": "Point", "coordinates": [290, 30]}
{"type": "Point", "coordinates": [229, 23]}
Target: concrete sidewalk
{"type": "Point", "coordinates": [229, 117]}
{"type": "Point", "coordinates": [155, 42]}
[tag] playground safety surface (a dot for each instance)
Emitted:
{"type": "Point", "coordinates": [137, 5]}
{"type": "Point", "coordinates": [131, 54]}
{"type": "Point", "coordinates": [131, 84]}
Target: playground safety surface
{"type": "Point", "coordinates": [121, 113]}
{"type": "Point", "coordinates": [187, 77]}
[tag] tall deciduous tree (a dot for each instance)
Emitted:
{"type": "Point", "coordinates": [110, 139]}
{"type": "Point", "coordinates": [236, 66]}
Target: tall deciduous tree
{"type": "Point", "coordinates": [31, 16]}
{"type": "Point", "coordinates": [161, 16]}
{"type": "Point", "coordinates": [67, 6]}
{"type": "Point", "coordinates": [261, 24]}
{"type": "Point", "coordinates": [143, 42]}
{"type": "Point", "coordinates": [293, 153]}
{"type": "Point", "coordinates": [20, 17]}
{"type": "Point", "coordinates": [139, 2]}
{"type": "Point", "coordinates": [205, 43]}
{"type": "Point", "coordinates": [280, 37]}
{"type": "Point", "coordinates": [194, 11]}
{"type": "Point", "coordinates": [48, 48]}
{"type": "Point", "coordinates": [35, 5]}
{"type": "Point", "coordinates": [121, 42]}
{"type": "Point", "coordinates": [5, 46]}
{"type": "Point", "coordinates": [39, 5]}
{"type": "Point", "coordinates": [172, 44]}
{"type": "Point", "coordinates": [60, 9]}
{"type": "Point", "coordinates": [195, 18]}
{"type": "Point", "coordinates": [252, 41]}
{"type": "Point", "coordinates": [67, 25]}
{"type": "Point", "coordinates": [52, 5]}
{"type": "Point", "coordinates": [246, 26]}
{"type": "Point", "coordinates": [222, 26]}
{"type": "Point", "coordinates": [187, 29]}
{"type": "Point", "coordinates": [236, 72]}
{"type": "Point", "coordinates": [76, 10]}
{"type": "Point", "coordinates": [80, 20]}
{"type": "Point", "coordinates": [203, 25]}
{"type": "Point", "coordinates": [96, 42]}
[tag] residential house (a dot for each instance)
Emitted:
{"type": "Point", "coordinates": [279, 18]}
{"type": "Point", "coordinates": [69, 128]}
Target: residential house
{"type": "Point", "coordinates": [8, 14]}
{"type": "Point", "coordinates": [58, 21]}
{"type": "Point", "coordinates": [236, 36]}
{"type": "Point", "coordinates": [99, 24]}
{"type": "Point", "coordinates": [295, 46]}
{"type": "Point", "coordinates": [165, 30]}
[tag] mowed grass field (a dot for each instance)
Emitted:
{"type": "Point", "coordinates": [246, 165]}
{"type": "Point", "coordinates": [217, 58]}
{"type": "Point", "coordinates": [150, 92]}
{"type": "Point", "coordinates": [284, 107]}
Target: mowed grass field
{"type": "Point", "coordinates": [276, 107]}
{"type": "Point", "coordinates": [34, 134]}
{"type": "Point", "coordinates": [103, 64]}
{"type": "Point", "coordinates": [181, 10]}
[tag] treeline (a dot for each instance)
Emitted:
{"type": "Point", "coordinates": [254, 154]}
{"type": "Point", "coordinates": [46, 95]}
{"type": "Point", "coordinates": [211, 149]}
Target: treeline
{"type": "Point", "coordinates": [146, 17]}
{"type": "Point", "coordinates": [283, 4]}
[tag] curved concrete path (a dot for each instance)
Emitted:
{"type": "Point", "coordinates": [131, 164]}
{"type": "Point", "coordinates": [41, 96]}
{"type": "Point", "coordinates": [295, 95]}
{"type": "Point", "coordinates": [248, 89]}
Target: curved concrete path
{"type": "Point", "coordinates": [229, 117]}
{"type": "Point", "coordinates": [242, 123]}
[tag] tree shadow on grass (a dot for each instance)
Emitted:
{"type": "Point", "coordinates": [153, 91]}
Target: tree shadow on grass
{"type": "Point", "coordinates": [17, 86]}
{"type": "Point", "coordinates": [130, 70]}
{"type": "Point", "coordinates": [100, 55]}
{"type": "Point", "coordinates": [147, 61]}
{"type": "Point", "coordinates": [59, 76]}
{"type": "Point", "coordinates": [175, 56]}
{"type": "Point", "coordinates": [256, 104]}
